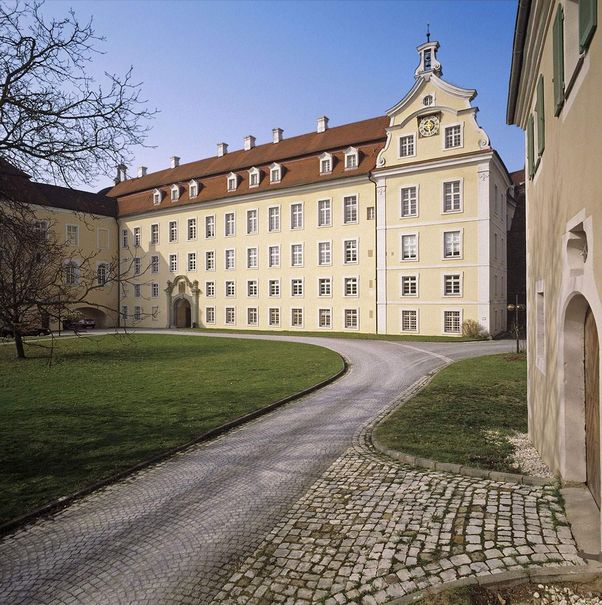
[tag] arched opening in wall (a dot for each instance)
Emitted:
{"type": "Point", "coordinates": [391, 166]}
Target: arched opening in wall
{"type": "Point", "coordinates": [581, 396]}
{"type": "Point", "coordinates": [96, 315]}
{"type": "Point", "coordinates": [182, 313]}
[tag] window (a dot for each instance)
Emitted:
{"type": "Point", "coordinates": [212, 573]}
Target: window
{"type": "Point", "coordinates": [210, 315]}
{"type": "Point", "coordinates": [274, 218]}
{"type": "Point", "coordinates": [409, 285]}
{"type": "Point", "coordinates": [251, 221]}
{"type": "Point", "coordinates": [137, 290]}
{"type": "Point", "coordinates": [297, 318]}
{"type": "Point", "coordinates": [297, 255]}
{"type": "Point", "coordinates": [428, 100]}
{"type": "Point", "coordinates": [409, 247]}
{"type": "Point", "coordinates": [452, 198]}
{"type": "Point", "coordinates": [124, 312]}
{"type": "Point", "coordinates": [351, 319]}
{"type": "Point", "coordinates": [72, 235]}
{"type": "Point", "coordinates": [192, 261]}
{"type": "Point", "coordinates": [324, 286]}
{"type": "Point", "coordinates": [193, 189]}
{"type": "Point", "coordinates": [409, 201]}
{"type": "Point", "coordinates": [137, 266]}
{"type": "Point", "coordinates": [274, 256]}
{"type": "Point", "coordinates": [451, 285]}
{"type": "Point", "coordinates": [558, 59]}
{"type": "Point", "coordinates": [350, 209]}
{"type": "Point", "coordinates": [587, 22]}
{"type": "Point", "coordinates": [155, 290]}
{"type": "Point", "coordinates": [350, 251]}
{"type": "Point", "coordinates": [232, 182]}
{"type": "Point", "coordinates": [210, 289]}
{"type": "Point", "coordinates": [175, 193]}
{"type": "Point", "coordinates": [252, 258]}
{"type": "Point", "coordinates": [530, 146]}
{"type": "Point", "coordinates": [453, 136]}
{"type": "Point", "coordinates": [252, 288]}
{"type": "Point", "coordinates": [230, 315]}
{"type": "Point", "coordinates": [230, 260]}
{"type": "Point", "coordinates": [274, 287]}
{"type": "Point", "coordinates": [210, 260]}
{"type": "Point", "coordinates": [370, 213]}
{"type": "Point", "coordinates": [452, 244]}
{"type": "Point", "coordinates": [274, 316]}
{"type": "Point", "coordinates": [209, 227]}
{"type": "Point", "coordinates": [157, 197]}
{"type": "Point", "coordinates": [325, 163]}
{"type": "Point", "coordinates": [253, 177]}
{"type": "Point", "coordinates": [124, 238]}
{"type": "Point", "coordinates": [173, 263]}
{"type": "Point", "coordinates": [351, 288]}
{"type": "Point", "coordinates": [351, 158]}
{"type": "Point", "coordinates": [252, 316]}
{"type": "Point", "coordinates": [324, 214]}
{"type": "Point", "coordinates": [102, 274]}
{"type": "Point", "coordinates": [230, 289]}
{"type": "Point", "coordinates": [137, 313]}
{"type": "Point", "coordinates": [154, 265]}
{"type": "Point", "coordinates": [324, 253]}
{"type": "Point", "coordinates": [296, 287]}
{"type": "Point", "coordinates": [137, 237]}
{"type": "Point", "coordinates": [409, 320]}
{"type": "Point", "coordinates": [297, 216]}
{"type": "Point", "coordinates": [406, 146]}
{"type": "Point", "coordinates": [229, 226]}
{"type": "Point", "coordinates": [451, 322]}
{"type": "Point", "coordinates": [275, 173]}
{"type": "Point", "coordinates": [173, 231]}
{"type": "Point", "coordinates": [191, 228]}
{"type": "Point", "coordinates": [324, 318]}
{"type": "Point", "coordinates": [154, 234]}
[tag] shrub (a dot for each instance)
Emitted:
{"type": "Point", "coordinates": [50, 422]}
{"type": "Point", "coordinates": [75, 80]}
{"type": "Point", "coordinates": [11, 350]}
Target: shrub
{"type": "Point", "coordinates": [473, 329]}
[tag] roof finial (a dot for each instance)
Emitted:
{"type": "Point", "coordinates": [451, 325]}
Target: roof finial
{"type": "Point", "coordinates": [428, 32]}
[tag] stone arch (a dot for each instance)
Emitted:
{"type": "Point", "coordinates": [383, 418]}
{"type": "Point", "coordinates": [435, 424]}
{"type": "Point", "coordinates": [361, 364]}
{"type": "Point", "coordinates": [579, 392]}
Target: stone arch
{"type": "Point", "coordinates": [100, 317]}
{"type": "Point", "coordinates": [181, 288]}
{"type": "Point", "coordinates": [182, 312]}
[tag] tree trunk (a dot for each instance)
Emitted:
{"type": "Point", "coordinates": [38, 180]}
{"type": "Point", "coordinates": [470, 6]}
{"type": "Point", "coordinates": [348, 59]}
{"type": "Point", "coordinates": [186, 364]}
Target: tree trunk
{"type": "Point", "coordinates": [19, 345]}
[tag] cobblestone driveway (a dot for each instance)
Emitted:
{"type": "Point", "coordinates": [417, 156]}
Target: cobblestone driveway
{"type": "Point", "coordinates": [295, 495]}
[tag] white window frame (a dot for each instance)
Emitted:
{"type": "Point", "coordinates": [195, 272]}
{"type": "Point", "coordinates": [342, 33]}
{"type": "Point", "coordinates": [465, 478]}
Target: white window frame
{"type": "Point", "coordinates": [191, 267]}
{"type": "Point", "coordinates": [254, 310]}
{"type": "Point", "coordinates": [193, 189]}
{"type": "Point", "coordinates": [155, 287]}
{"type": "Point", "coordinates": [324, 279]}
{"type": "Point", "coordinates": [104, 267]}
{"type": "Point", "coordinates": [357, 286]}
{"type": "Point", "coordinates": [329, 311]}
{"type": "Point", "coordinates": [274, 283]}
{"type": "Point", "coordinates": [250, 257]}
{"type": "Point", "coordinates": [297, 216]}
{"type": "Point", "coordinates": [445, 182]}
{"type": "Point", "coordinates": [137, 231]}
{"type": "Point", "coordinates": [275, 229]}
{"type": "Point", "coordinates": [227, 312]}
{"type": "Point", "coordinates": [210, 260]}
{"type": "Point", "coordinates": [174, 193]}
{"type": "Point", "coordinates": [210, 289]}
{"type": "Point", "coordinates": [173, 262]}
{"type": "Point", "coordinates": [327, 201]}
{"type": "Point", "coordinates": [230, 288]}
{"type": "Point", "coordinates": [252, 221]}
{"type": "Point", "coordinates": [68, 240]}
{"type": "Point", "coordinates": [460, 256]}
{"type": "Point", "coordinates": [417, 319]}
{"type": "Point", "coordinates": [416, 278]}
{"type": "Point", "coordinates": [270, 263]}
{"type": "Point", "coordinates": [210, 315]}
{"type": "Point", "coordinates": [275, 167]}
{"type": "Point", "coordinates": [357, 209]}
{"type": "Point", "coordinates": [172, 226]}
{"type": "Point", "coordinates": [295, 283]}
{"type": "Point", "coordinates": [227, 225]}
{"type": "Point", "coordinates": [357, 251]}
{"type": "Point", "coordinates": [326, 157]}
{"type": "Point", "coordinates": [157, 197]}
{"type": "Point", "coordinates": [293, 264]}
{"type": "Point", "coordinates": [228, 257]}
{"type": "Point", "coordinates": [271, 310]}
{"type": "Point", "coordinates": [444, 146]}
{"type": "Point", "coordinates": [232, 182]}
{"type": "Point", "coordinates": [409, 234]}
{"type": "Point", "coordinates": [252, 284]}
{"type": "Point", "coordinates": [137, 313]}
{"type": "Point", "coordinates": [411, 135]}
{"type": "Point", "coordinates": [417, 201]}
{"type": "Point", "coordinates": [300, 325]}
{"type": "Point", "coordinates": [154, 264]}
{"type": "Point", "coordinates": [329, 263]}
{"type": "Point", "coordinates": [254, 175]}
{"type": "Point", "coordinates": [357, 318]}
{"type": "Point", "coordinates": [137, 290]}
{"type": "Point", "coordinates": [191, 222]}
{"type": "Point", "coordinates": [210, 226]}
{"type": "Point", "coordinates": [154, 234]}
{"type": "Point", "coordinates": [351, 152]}
{"type": "Point", "coordinates": [451, 310]}
{"type": "Point", "coordinates": [460, 275]}
{"type": "Point", "coordinates": [125, 237]}
{"type": "Point", "coordinates": [137, 265]}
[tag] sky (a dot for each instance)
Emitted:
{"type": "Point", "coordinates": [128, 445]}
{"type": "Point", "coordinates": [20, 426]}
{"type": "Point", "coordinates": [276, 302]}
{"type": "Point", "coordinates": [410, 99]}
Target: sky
{"type": "Point", "coordinates": [218, 71]}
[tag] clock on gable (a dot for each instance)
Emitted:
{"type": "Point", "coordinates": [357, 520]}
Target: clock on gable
{"type": "Point", "coordinates": [428, 125]}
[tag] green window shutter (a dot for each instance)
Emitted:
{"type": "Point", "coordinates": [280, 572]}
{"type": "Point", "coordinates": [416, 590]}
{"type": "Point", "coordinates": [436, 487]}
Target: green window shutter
{"type": "Point", "coordinates": [541, 118]}
{"type": "Point", "coordinates": [588, 18]}
{"type": "Point", "coordinates": [530, 146]}
{"type": "Point", "coordinates": [558, 52]}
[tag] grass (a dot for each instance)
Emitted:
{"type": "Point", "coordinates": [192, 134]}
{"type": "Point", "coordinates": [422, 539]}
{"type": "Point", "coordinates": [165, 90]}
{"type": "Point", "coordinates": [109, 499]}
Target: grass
{"type": "Point", "coordinates": [453, 418]}
{"type": "Point", "coordinates": [109, 402]}
{"type": "Point", "coordinates": [350, 335]}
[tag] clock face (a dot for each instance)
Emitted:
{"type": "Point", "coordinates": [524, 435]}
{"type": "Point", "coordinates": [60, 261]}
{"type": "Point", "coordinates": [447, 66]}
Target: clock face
{"type": "Point", "coordinates": [428, 126]}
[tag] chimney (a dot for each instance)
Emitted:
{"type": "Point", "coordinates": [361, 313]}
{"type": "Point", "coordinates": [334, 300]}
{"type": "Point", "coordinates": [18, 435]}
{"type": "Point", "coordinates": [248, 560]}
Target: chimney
{"type": "Point", "coordinates": [249, 142]}
{"type": "Point", "coordinates": [175, 161]}
{"type": "Point", "coordinates": [142, 171]}
{"type": "Point", "coordinates": [222, 149]}
{"type": "Point", "coordinates": [277, 135]}
{"type": "Point", "coordinates": [322, 124]}
{"type": "Point", "coordinates": [121, 173]}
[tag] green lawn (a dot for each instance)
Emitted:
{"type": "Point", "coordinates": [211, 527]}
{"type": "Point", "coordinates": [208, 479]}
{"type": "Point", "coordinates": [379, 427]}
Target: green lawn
{"type": "Point", "coordinates": [451, 420]}
{"type": "Point", "coordinates": [109, 402]}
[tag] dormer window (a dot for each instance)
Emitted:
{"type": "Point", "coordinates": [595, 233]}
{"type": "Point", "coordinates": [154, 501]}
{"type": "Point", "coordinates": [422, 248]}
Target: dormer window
{"type": "Point", "coordinates": [254, 177]}
{"type": "Point", "coordinates": [351, 158]}
{"type": "Point", "coordinates": [232, 182]}
{"type": "Point", "coordinates": [275, 173]}
{"type": "Point", "coordinates": [193, 188]}
{"type": "Point", "coordinates": [175, 193]}
{"type": "Point", "coordinates": [157, 197]}
{"type": "Point", "coordinates": [326, 163]}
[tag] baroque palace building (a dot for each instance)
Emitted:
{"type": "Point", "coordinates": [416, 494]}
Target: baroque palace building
{"type": "Point", "coordinates": [554, 95]}
{"type": "Point", "coordinates": [396, 224]}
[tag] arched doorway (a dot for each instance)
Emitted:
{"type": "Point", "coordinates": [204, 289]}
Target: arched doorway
{"type": "Point", "coordinates": [99, 317]}
{"type": "Point", "coordinates": [581, 396]}
{"type": "Point", "coordinates": [182, 313]}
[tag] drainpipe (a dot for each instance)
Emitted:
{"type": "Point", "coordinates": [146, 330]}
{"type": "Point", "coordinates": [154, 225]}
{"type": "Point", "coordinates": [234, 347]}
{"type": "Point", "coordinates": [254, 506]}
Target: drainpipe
{"type": "Point", "coordinates": [375, 251]}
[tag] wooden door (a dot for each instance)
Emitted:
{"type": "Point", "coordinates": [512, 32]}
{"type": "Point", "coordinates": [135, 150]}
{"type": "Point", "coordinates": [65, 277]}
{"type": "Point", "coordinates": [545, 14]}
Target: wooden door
{"type": "Point", "coordinates": [592, 405]}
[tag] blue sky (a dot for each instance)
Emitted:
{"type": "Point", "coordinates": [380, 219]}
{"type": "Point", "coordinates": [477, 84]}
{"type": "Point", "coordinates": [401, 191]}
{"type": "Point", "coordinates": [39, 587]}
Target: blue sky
{"type": "Point", "coordinates": [218, 71]}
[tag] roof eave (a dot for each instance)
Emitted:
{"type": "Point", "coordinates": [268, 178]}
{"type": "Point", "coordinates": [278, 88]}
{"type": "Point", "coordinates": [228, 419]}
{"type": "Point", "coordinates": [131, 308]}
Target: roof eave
{"type": "Point", "coordinates": [518, 47]}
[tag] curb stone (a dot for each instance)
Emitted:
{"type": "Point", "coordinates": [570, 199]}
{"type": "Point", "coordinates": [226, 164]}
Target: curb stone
{"type": "Point", "coordinates": [64, 501]}
{"type": "Point", "coordinates": [581, 573]}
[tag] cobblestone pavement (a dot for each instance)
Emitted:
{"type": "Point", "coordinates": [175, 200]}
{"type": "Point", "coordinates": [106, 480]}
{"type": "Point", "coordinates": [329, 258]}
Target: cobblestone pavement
{"type": "Point", "coordinates": [177, 532]}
